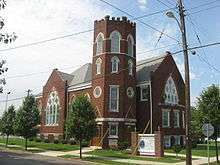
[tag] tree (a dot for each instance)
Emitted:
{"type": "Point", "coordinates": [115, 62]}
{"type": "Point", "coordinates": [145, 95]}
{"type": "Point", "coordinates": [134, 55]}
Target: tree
{"type": "Point", "coordinates": [208, 106]}
{"type": "Point", "coordinates": [7, 122]}
{"type": "Point", "coordinates": [177, 149]}
{"type": "Point", "coordinates": [27, 119]}
{"type": "Point", "coordinates": [81, 123]}
{"type": "Point", "coordinates": [4, 38]}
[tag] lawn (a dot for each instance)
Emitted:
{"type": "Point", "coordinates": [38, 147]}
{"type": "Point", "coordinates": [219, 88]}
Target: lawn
{"type": "Point", "coordinates": [200, 150]}
{"type": "Point", "coordinates": [126, 155]}
{"type": "Point", "coordinates": [41, 145]}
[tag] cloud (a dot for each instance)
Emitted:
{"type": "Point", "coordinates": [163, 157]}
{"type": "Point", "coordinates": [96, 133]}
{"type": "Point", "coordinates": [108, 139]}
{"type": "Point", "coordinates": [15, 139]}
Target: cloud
{"type": "Point", "coordinates": [37, 20]}
{"type": "Point", "coordinates": [142, 4]}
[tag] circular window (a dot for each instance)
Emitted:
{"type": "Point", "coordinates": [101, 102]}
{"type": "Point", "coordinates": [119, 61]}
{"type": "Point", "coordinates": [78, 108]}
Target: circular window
{"type": "Point", "coordinates": [130, 92]}
{"type": "Point", "coordinates": [97, 92]}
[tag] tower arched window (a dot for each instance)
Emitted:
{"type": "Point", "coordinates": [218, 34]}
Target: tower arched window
{"type": "Point", "coordinates": [130, 67]}
{"type": "Point", "coordinates": [115, 37]}
{"type": "Point", "coordinates": [130, 41]}
{"type": "Point", "coordinates": [171, 95]}
{"type": "Point", "coordinates": [98, 66]}
{"type": "Point", "coordinates": [115, 64]}
{"type": "Point", "coordinates": [99, 43]}
{"type": "Point", "coordinates": [52, 109]}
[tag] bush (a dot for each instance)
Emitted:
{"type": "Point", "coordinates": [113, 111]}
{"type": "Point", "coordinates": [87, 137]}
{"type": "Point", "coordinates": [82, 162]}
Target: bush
{"type": "Point", "coordinates": [123, 145]}
{"type": "Point", "coordinates": [31, 139]}
{"type": "Point", "coordinates": [72, 142]}
{"type": "Point", "coordinates": [177, 149]}
{"type": "Point", "coordinates": [85, 143]}
{"type": "Point", "coordinates": [64, 141]}
{"type": "Point", "coordinates": [56, 141]}
{"type": "Point", "coordinates": [37, 140]}
{"type": "Point", "coordinates": [46, 141]}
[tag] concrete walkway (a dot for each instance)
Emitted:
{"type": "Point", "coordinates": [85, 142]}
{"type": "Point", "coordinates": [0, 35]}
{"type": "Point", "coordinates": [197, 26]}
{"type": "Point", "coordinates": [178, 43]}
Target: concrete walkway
{"type": "Point", "coordinates": [199, 160]}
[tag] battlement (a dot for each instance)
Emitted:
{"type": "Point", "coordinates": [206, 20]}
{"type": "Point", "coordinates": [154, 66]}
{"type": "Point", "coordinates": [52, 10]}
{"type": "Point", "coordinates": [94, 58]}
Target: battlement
{"type": "Point", "coordinates": [122, 19]}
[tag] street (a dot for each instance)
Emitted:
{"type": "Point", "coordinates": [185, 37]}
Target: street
{"type": "Point", "coordinates": [9, 158]}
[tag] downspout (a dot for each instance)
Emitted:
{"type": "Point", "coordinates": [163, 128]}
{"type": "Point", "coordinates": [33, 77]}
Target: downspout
{"type": "Point", "coordinates": [65, 105]}
{"type": "Point", "coordinates": [151, 110]}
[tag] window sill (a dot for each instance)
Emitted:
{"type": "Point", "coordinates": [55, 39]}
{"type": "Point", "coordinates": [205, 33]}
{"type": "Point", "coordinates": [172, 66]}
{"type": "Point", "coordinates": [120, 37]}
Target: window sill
{"type": "Point", "coordinates": [51, 125]}
{"type": "Point", "coordinates": [113, 136]}
{"type": "Point", "coordinates": [144, 100]}
{"type": "Point", "coordinates": [165, 126]}
{"type": "Point", "coordinates": [176, 127]}
{"type": "Point", "coordinates": [115, 72]}
{"type": "Point", "coordinates": [114, 111]}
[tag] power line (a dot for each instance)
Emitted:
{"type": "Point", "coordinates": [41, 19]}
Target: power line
{"type": "Point", "coordinates": [143, 23]}
{"type": "Point", "coordinates": [204, 9]}
{"type": "Point", "coordinates": [177, 52]}
{"type": "Point", "coordinates": [43, 72]}
{"type": "Point", "coordinates": [204, 4]}
{"type": "Point", "coordinates": [74, 34]}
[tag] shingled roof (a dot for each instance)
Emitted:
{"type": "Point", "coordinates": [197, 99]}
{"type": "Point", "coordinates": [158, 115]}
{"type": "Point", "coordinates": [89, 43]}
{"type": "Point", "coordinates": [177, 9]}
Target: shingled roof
{"type": "Point", "coordinates": [84, 73]}
{"type": "Point", "coordinates": [145, 67]}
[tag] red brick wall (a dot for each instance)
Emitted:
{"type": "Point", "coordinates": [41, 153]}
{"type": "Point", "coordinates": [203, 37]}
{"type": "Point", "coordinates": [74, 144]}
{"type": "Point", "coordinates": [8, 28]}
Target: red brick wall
{"type": "Point", "coordinates": [54, 83]}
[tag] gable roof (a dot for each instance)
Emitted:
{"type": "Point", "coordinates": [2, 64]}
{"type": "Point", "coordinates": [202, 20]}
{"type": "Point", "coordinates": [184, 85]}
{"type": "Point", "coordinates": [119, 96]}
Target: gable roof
{"type": "Point", "coordinates": [82, 75]}
{"type": "Point", "coordinates": [65, 76]}
{"type": "Point", "coordinates": [145, 67]}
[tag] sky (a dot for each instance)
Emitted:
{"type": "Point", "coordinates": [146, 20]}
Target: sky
{"type": "Point", "coordinates": [38, 20]}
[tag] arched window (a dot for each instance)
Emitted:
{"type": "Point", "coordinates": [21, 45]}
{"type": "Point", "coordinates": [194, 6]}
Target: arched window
{"type": "Point", "coordinates": [52, 109]}
{"type": "Point", "coordinates": [130, 67]}
{"type": "Point", "coordinates": [115, 42]}
{"type": "Point", "coordinates": [98, 65]}
{"type": "Point", "coordinates": [115, 64]}
{"type": "Point", "coordinates": [130, 45]}
{"type": "Point", "coordinates": [171, 96]}
{"type": "Point", "coordinates": [99, 43]}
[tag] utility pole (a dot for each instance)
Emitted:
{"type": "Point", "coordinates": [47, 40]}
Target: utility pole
{"type": "Point", "coordinates": [28, 92]}
{"type": "Point", "coordinates": [187, 84]}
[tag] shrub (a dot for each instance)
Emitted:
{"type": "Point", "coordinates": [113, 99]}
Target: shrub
{"type": "Point", "coordinates": [64, 141]}
{"type": "Point", "coordinates": [72, 142]}
{"type": "Point", "coordinates": [46, 141]}
{"type": "Point", "coordinates": [31, 139]}
{"type": "Point", "coordinates": [177, 149]}
{"type": "Point", "coordinates": [123, 145]}
{"type": "Point", "coordinates": [85, 143]}
{"type": "Point", "coordinates": [37, 140]}
{"type": "Point", "coordinates": [56, 141]}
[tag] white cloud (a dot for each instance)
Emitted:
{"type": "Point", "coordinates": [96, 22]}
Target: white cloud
{"type": "Point", "coordinates": [37, 20]}
{"type": "Point", "coordinates": [142, 4]}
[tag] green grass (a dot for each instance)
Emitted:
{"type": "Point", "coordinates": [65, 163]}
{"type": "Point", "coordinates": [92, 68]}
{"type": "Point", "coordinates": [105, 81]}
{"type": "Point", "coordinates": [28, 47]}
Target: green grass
{"type": "Point", "coordinates": [200, 150]}
{"type": "Point", "coordinates": [41, 145]}
{"type": "Point", "coordinates": [214, 163]}
{"type": "Point", "coordinates": [101, 161]}
{"type": "Point", "coordinates": [126, 155]}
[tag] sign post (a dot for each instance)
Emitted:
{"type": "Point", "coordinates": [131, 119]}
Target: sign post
{"type": "Point", "coordinates": [208, 131]}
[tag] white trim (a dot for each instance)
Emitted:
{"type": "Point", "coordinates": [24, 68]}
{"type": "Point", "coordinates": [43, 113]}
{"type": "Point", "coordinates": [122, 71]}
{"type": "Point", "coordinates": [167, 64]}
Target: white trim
{"type": "Point", "coordinates": [110, 53]}
{"type": "Point", "coordinates": [119, 46]}
{"type": "Point", "coordinates": [116, 133]}
{"type": "Point", "coordinates": [143, 83]}
{"type": "Point", "coordinates": [141, 92]}
{"type": "Point", "coordinates": [117, 60]}
{"type": "Point", "coordinates": [132, 45]}
{"type": "Point", "coordinates": [115, 120]}
{"type": "Point", "coordinates": [94, 91]}
{"type": "Point", "coordinates": [166, 110]}
{"type": "Point", "coordinates": [80, 87]}
{"type": "Point", "coordinates": [151, 110]}
{"type": "Point", "coordinates": [178, 118]}
{"type": "Point", "coordinates": [118, 97]}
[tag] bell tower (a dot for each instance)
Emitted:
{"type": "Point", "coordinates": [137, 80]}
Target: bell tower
{"type": "Point", "coordinates": [114, 79]}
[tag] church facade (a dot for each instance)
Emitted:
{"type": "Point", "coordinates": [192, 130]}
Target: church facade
{"type": "Point", "coordinates": [127, 95]}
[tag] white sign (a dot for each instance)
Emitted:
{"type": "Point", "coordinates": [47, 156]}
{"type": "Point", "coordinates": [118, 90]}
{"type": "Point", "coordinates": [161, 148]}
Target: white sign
{"type": "Point", "coordinates": [112, 142]}
{"type": "Point", "coordinates": [207, 130]}
{"type": "Point", "coordinates": [146, 144]}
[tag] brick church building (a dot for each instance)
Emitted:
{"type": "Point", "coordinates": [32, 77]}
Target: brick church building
{"type": "Point", "coordinates": [125, 93]}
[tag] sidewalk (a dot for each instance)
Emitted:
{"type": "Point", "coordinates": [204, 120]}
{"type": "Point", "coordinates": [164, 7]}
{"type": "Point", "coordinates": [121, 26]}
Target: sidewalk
{"type": "Point", "coordinates": [199, 160]}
